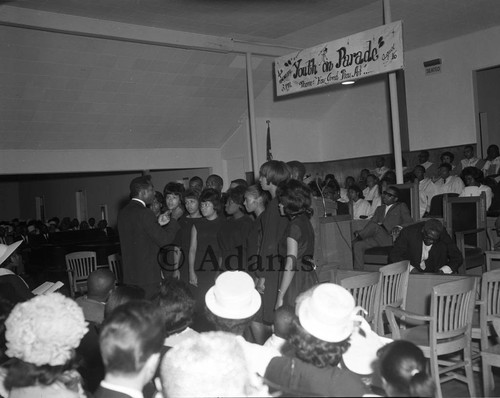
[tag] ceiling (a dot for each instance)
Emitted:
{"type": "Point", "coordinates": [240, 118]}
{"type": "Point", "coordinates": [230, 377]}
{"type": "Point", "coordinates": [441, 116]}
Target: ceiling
{"type": "Point", "coordinates": [61, 91]}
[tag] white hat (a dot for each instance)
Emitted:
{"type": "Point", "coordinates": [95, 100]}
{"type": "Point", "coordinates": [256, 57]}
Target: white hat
{"type": "Point", "coordinates": [233, 296]}
{"type": "Point", "coordinates": [7, 250]}
{"type": "Point", "coordinates": [328, 312]}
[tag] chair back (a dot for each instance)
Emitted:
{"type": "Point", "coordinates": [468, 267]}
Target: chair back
{"type": "Point", "coordinates": [115, 265]}
{"type": "Point", "coordinates": [452, 307]}
{"type": "Point", "coordinates": [79, 266]}
{"type": "Point", "coordinates": [437, 204]}
{"type": "Point", "coordinates": [393, 284]}
{"type": "Point", "coordinates": [364, 289]}
{"type": "Point", "coordinates": [408, 194]}
{"type": "Point", "coordinates": [490, 308]}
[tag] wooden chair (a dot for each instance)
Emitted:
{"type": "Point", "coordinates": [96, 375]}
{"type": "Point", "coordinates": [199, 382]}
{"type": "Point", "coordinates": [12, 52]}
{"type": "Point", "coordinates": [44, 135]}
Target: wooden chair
{"type": "Point", "coordinates": [489, 310]}
{"type": "Point", "coordinates": [115, 265]}
{"type": "Point", "coordinates": [465, 219]}
{"type": "Point", "coordinates": [448, 330]}
{"type": "Point", "coordinates": [490, 357]}
{"type": "Point", "coordinates": [393, 284]}
{"type": "Point", "coordinates": [490, 257]}
{"type": "Point", "coordinates": [437, 204]}
{"type": "Point", "coordinates": [364, 289]}
{"type": "Point", "coordinates": [79, 265]}
{"type": "Point", "coordinates": [408, 195]}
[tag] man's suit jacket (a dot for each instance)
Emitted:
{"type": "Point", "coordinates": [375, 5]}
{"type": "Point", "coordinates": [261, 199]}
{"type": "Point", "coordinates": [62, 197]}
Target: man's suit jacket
{"type": "Point", "coordinates": [408, 246]}
{"type": "Point", "coordinates": [102, 392]}
{"type": "Point", "coordinates": [398, 214]}
{"type": "Point", "coordinates": [141, 238]}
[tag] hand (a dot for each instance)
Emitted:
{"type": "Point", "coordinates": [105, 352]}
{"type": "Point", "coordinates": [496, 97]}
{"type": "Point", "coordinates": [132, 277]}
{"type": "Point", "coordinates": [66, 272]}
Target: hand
{"type": "Point", "coordinates": [164, 219]}
{"type": "Point", "coordinates": [260, 285]}
{"type": "Point", "coordinates": [445, 270]}
{"type": "Point", "coordinates": [176, 274]}
{"type": "Point", "coordinates": [193, 279]}
{"type": "Point", "coordinates": [279, 302]}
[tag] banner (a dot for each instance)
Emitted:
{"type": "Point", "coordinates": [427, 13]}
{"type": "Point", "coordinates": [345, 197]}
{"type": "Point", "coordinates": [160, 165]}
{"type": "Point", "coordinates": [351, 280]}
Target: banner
{"type": "Point", "coordinates": [368, 53]}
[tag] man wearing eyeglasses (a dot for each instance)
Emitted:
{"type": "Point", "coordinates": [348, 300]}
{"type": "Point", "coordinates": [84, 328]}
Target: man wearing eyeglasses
{"type": "Point", "coordinates": [388, 219]}
{"type": "Point", "coordinates": [428, 247]}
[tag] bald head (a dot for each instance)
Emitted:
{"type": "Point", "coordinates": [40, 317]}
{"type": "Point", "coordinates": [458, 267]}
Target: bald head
{"type": "Point", "coordinates": [100, 283]}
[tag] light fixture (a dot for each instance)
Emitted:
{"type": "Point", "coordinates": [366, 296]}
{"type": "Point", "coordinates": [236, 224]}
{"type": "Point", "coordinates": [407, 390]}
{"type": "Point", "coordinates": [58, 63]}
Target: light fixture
{"type": "Point", "coordinates": [347, 82]}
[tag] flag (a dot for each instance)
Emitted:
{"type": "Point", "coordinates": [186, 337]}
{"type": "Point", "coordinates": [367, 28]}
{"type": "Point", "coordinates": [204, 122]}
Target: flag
{"type": "Point", "coordinates": [269, 155]}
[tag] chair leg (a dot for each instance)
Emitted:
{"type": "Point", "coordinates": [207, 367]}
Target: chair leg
{"type": "Point", "coordinates": [469, 372]}
{"type": "Point", "coordinates": [487, 378]}
{"type": "Point", "coordinates": [435, 374]}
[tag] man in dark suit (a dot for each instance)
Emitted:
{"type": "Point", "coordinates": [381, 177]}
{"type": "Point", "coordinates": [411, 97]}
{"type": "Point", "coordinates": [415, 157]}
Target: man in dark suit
{"type": "Point", "coordinates": [130, 341]}
{"type": "Point", "coordinates": [428, 247]}
{"type": "Point", "coordinates": [388, 219]}
{"type": "Point", "coordinates": [142, 236]}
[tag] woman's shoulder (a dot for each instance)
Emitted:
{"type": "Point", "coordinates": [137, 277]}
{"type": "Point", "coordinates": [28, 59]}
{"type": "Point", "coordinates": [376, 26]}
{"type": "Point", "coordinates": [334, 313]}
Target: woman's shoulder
{"type": "Point", "coordinates": [54, 390]}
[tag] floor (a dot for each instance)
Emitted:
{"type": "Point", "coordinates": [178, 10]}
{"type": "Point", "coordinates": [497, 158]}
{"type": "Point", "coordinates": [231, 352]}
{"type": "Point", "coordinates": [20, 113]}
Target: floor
{"type": "Point", "coordinates": [455, 388]}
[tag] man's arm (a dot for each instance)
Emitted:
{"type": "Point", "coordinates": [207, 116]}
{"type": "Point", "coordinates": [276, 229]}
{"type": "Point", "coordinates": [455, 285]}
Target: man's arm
{"type": "Point", "coordinates": [455, 258]}
{"type": "Point", "coordinates": [400, 250]}
{"type": "Point", "coordinates": [160, 235]}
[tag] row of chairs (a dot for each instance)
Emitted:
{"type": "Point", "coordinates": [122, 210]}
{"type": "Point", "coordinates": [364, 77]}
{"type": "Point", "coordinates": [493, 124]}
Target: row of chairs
{"type": "Point", "coordinates": [79, 265]}
{"type": "Point", "coordinates": [448, 329]}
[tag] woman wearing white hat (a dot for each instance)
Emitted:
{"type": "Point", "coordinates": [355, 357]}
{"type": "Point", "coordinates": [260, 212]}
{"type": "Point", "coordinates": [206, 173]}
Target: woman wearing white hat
{"type": "Point", "coordinates": [326, 319]}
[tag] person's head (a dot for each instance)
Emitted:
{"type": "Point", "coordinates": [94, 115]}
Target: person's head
{"type": "Point", "coordinates": [142, 188]}
{"type": "Point", "coordinates": [447, 157]}
{"type": "Point", "coordinates": [192, 202]}
{"type": "Point", "coordinates": [331, 191]}
{"type": "Point", "coordinates": [409, 177]}
{"type": "Point", "coordinates": [349, 181]}
{"type": "Point", "coordinates": [326, 316]}
{"type": "Point", "coordinates": [297, 170]}
{"type": "Point", "coordinates": [431, 231]}
{"type": "Point", "coordinates": [210, 203]}
{"type": "Point", "coordinates": [294, 198]}
{"type": "Point", "coordinates": [468, 151]}
{"type": "Point", "coordinates": [122, 294]}
{"type": "Point", "coordinates": [177, 303]}
{"type": "Point", "coordinates": [363, 175]}
{"type": "Point", "coordinates": [215, 181]}
{"type": "Point", "coordinates": [255, 198]}
{"type": "Point", "coordinates": [131, 339]}
{"type": "Point", "coordinates": [283, 321]}
{"type": "Point", "coordinates": [100, 283]}
{"type": "Point", "coordinates": [7, 250]}
{"type": "Point", "coordinates": [158, 204]}
{"type": "Point", "coordinates": [273, 172]}
{"type": "Point", "coordinates": [419, 172]}
{"type": "Point", "coordinates": [390, 195]}
{"type": "Point", "coordinates": [444, 170]}
{"type": "Point", "coordinates": [423, 156]}
{"type": "Point", "coordinates": [330, 179]}
{"type": "Point", "coordinates": [403, 368]}
{"type": "Point", "coordinates": [380, 161]}
{"type": "Point", "coordinates": [234, 201]}
{"type": "Point", "coordinates": [173, 192]}
{"type": "Point", "coordinates": [239, 182]}
{"type": "Point", "coordinates": [390, 176]}
{"type": "Point", "coordinates": [493, 152]}
{"type": "Point", "coordinates": [232, 302]}
{"type": "Point", "coordinates": [371, 180]}
{"type": "Point", "coordinates": [84, 225]}
{"type": "Point", "coordinates": [354, 193]}
{"type": "Point", "coordinates": [91, 222]}
{"type": "Point", "coordinates": [41, 337]}
{"type": "Point", "coordinates": [210, 364]}
{"type": "Point", "coordinates": [196, 183]}
{"type": "Point", "coordinates": [472, 176]}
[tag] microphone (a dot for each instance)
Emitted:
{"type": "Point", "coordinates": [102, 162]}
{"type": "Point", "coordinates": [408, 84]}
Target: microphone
{"type": "Point", "coordinates": [322, 197]}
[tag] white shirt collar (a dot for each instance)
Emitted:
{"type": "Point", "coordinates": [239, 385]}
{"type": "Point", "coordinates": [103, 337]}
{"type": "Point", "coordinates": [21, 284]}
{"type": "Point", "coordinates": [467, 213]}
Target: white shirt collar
{"type": "Point", "coordinates": [140, 201]}
{"type": "Point", "coordinates": [125, 390]}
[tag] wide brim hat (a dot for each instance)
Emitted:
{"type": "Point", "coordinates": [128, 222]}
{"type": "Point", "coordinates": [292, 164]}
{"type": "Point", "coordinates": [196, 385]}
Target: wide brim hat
{"type": "Point", "coordinates": [7, 250]}
{"type": "Point", "coordinates": [233, 296]}
{"type": "Point", "coordinates": [328, 312]}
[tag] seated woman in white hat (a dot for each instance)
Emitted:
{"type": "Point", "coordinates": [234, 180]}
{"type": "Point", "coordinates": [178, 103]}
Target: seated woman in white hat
{"type": "Point", "coordinates": [326, 319]}
{"type": "Point", "coordinates": [12, 286]}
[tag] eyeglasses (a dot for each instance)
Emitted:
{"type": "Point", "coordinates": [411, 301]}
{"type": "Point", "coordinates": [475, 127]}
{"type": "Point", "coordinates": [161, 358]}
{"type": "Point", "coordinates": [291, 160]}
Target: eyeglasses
{"type": "Point", "coordinates": [389, 194]}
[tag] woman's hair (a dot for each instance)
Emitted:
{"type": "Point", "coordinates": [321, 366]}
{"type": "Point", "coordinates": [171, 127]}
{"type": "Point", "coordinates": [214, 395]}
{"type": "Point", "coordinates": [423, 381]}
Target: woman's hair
{"type": "Point", "coordinates": [237, 195]}
{"type": "Point", "coordinates": [449, 154]}
{"type": "Point", "coordinates": [177, 303]}
{"type": "Point", "coordinates": [295, 196]}
{"type": "Point", "coordinates": [234, 326]}
{"type": "Point", "coordinates": [358, 190]}
{"type": "Point", "coordinates": [161, 200]}
{"type": "Point", "coordinates": [213, 196]}
{"type": "Point", "coordinates": [404, 368]}
{"type": "Point", "coordinates": [174, 188]}
{"type": "Point", "coordinates": [191, 194]}
{"type": "Point", "coordinates": [275, 172]}
{"type": "Point", "coordinates": [313, 350]}
{"type": "Point", "coordinates": [474, 172]}
{"type": "Point", "coordinates": [257, 192]}
{"type": "Point", "coordinates": [121, 295]}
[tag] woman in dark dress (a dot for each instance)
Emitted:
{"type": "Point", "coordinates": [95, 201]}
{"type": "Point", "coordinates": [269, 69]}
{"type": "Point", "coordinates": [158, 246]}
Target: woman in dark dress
{"type": "Point", "coordinates": [204, 252]}
{"type": "Point", "coordinates": [299, 272]}
{"type": "Point", "coordinates": [255, 203]}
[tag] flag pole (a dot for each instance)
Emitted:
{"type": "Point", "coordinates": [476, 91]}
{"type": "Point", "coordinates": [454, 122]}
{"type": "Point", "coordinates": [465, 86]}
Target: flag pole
{"type": "Point", "coordinates": [251, 117]}
{"type": "Point", "coordinates": [269, 153]}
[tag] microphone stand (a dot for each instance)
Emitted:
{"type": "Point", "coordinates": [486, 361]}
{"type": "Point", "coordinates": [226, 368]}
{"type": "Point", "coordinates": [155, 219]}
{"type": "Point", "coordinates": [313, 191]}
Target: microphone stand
{"type": "Point", "coordinates": [322, 198]}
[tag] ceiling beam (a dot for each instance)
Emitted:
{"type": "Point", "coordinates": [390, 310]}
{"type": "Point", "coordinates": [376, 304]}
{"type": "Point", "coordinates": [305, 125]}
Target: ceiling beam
{"type": "Point", "coordinates": [111, 30]}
